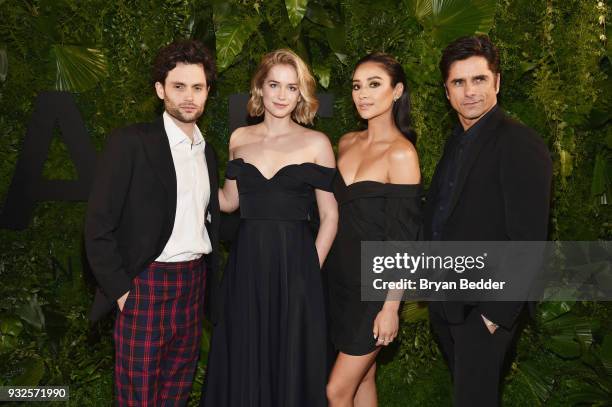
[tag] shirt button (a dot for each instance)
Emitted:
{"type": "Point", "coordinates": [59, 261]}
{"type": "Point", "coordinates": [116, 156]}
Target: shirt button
{"type": "Point", "coordinates": [451, 184]}
{"type": "Point", "coordinates": [441, 207]}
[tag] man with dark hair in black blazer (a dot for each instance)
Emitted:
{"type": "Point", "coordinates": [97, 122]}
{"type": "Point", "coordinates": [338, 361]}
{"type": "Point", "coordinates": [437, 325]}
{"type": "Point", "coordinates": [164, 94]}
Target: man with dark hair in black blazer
{"type": "Point", "coordinates": [492, 184]}
{"type": "Point", "coordinates": [152, 237]}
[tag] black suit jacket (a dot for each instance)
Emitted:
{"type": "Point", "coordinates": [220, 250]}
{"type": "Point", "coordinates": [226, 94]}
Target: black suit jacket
{"type": "Point", "coordinates": [502, 193]}
{"type": "Point", "coordinates": [131, 210]}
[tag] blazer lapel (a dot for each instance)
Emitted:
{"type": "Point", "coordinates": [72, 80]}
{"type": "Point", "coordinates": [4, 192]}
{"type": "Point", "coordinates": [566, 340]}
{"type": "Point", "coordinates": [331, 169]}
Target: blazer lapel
{"type": "Point", "coordinates": [434, 189]}
{"type": "Point", "coordinates": [434, 186]}
{"type": "Point", "coordinates": [211, 164]}
{"type": "Point", "coordinates": [213, 204]}
{"type": "Point", "coordinates": [213, 292]}
{"type": "Point", "coordinates": [483, 137]}
{"type": "Point", "coordinates": [157, 149]}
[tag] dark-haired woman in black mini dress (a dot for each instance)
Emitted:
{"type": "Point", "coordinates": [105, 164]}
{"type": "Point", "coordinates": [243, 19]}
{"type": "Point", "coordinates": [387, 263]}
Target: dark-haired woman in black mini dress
{"type": "Point", "coordinates": [378, 192]}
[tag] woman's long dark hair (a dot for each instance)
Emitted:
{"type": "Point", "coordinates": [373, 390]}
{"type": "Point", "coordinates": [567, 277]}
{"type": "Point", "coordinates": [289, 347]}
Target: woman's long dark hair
{"type": "Point", "coordinates": [401, 107]}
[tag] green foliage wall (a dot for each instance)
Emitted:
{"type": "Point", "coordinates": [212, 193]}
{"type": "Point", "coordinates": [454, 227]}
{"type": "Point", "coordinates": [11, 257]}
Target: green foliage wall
{"type": "Point", "coordinates": [556, 79]}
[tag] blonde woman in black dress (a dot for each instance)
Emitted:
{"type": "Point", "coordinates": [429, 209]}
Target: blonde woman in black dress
{"type": "Point", "coordinates": [378, 192]}
{"type": "Point", "coordinates": [269, 347]}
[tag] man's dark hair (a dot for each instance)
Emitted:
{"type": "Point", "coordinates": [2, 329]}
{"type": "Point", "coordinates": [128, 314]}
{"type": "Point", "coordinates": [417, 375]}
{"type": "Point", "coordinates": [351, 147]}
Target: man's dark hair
{"type": "Point", "coordinates": [185, 51]}
{"type": "Point", "coordinates": [466, 47]}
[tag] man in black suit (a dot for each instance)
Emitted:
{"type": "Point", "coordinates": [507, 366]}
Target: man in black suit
{"type": "Point", "coordinates": [492, 184]}
{"type": "Point", "coordinates": [151, 234]}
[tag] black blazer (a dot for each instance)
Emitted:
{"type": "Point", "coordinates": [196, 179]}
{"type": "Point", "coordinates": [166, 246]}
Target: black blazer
{"type": "Point", "coordinates": [131, 209]}
{"type": "Point", "coordinates": [502, 193]}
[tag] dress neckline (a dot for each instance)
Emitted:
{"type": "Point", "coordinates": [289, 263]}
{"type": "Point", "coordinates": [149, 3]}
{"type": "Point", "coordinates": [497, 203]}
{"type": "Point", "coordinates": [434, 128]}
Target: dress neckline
{"type": "Point", "coordinates": [282, 168]}
{"type": "Point", "coordinates": [366, 181]}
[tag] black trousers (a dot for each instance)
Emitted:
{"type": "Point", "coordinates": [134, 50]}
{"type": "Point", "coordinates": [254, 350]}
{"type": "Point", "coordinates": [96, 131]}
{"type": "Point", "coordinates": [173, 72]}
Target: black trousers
{"type": "Point", "coordinates": [475, 357]}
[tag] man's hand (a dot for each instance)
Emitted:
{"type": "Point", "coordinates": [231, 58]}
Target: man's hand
{"type": "Point", "coordinates": [491, 326]}
{"type": "Point", "coordinates": [121, 300]}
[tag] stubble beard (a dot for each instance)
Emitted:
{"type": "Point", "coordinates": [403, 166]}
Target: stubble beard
{"type": "Point", "coordinates": [175, 112]}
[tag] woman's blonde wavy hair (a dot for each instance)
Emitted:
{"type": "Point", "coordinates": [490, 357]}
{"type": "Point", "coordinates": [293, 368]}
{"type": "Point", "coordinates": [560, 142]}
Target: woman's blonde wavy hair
{"type": "Point", "coordinates": [308, 104]}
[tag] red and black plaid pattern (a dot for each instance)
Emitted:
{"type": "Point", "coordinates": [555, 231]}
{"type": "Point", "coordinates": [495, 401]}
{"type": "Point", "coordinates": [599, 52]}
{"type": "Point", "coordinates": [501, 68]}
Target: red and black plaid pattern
{"type": "Point", "coordinates": [157, 335]}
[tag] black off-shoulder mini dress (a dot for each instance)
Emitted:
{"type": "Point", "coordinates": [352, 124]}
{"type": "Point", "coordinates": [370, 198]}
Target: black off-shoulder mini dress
{"type": "Point", "coordinates": [369, 211]}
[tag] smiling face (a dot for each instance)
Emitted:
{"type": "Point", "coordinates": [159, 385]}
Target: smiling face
{"type": "Point", "coordinates": [280, 90]}
{"type": "Point", "coordinates": [373, 93]}
{"type": "Point", "coordinates": [184, 92]}
{"type": "Point", "coordinates": [472, 89]}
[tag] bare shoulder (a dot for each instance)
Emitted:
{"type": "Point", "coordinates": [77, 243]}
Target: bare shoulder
{"type": "Point", "coordinates": [402, 151]}
{"type": "Point", "coordinates": [347, 140]}
{"type": "Point", "coordinates": [317, 139]}
{"type": "Point", "coordinates": [241, 136]}
{"type": "Point", "coordinates": [403, 162]}
{"type": "Point", "coordinates": [320, 146]}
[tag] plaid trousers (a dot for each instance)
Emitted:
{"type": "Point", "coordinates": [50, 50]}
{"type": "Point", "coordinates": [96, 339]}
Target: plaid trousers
{"type": "Point", "coordinates": [157, 335]}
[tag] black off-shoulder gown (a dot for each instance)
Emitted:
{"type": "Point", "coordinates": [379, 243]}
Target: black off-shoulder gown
{"type": "Point", "coordinates": [368, 210]}
{"type": "Point", "coordinates": [269, 349]}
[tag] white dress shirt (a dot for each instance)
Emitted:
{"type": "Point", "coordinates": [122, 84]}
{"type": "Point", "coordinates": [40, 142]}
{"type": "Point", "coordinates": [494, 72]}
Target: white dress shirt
{"type": "Point", "coordinates": [189, 239]}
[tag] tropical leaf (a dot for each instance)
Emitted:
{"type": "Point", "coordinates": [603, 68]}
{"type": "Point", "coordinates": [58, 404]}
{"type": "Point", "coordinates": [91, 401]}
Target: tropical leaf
{"type": "Point", "coordinates": [318, 15]}
{"type": "Point", "coordinates": [8, 343]}
{"type": "Point", "coordinates": [569, 336]}
{"type": "Point", "coordinates": [56, 325]}
{"type": "Point", "coordinates": [33, 371]}
{"type": "Point", "coordinates": [10, 325]}
{"type": "Point", "coordinates": [414, 311]}
{"type": "Point", "coordinates": [323, 73]}
{"type": "Point", "coordinates": [336, 39]}
{"type": "Point", "coordinates": [550, 310]}
{"type": "Point", "coordinates": [450, 19]}
{"type": "Point", "coordinates": [536, 378]}
{"type": "Point", "coordinates": [566, 160]}
{"type": "Point", "coordinates": [296, 9]}
{"type": "Point", "coordinates": [205, 342]}
{"type": "Point", "coordinates": [78, 69]}
{"type": "Point", "coordinates": [600, 175]}
{"type": "Point", "coordinates": [592, 278]}
{"type": "Point", "coordinates": [527, 66]}
{"type": "Point", "coordinates": [595, 387]}
{"type": "Point", "coordinates": [31, 312]}
{"type": "Point", "coordinates": [605, 354]}
{"type": "Point", "coordinates": [10, 328]}
{"type": "Point", "coordinates": [591, 396]}
{"type": "Point", "coordinates": [231, 34]}
{"type": "Point", "coordinates": [3, 64]}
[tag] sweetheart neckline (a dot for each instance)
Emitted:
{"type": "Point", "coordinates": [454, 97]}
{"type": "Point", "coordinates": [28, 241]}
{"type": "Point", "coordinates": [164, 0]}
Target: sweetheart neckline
{"type": "Point", "coordinates": [280, 169]}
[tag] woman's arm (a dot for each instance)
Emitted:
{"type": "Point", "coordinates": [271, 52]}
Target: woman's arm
{"type": "Point", "coordinates": [403, 169]}
{"type": "Point", "coordinates": [326, 203]}
{"type": "Point", "coordinates": [228, 195]}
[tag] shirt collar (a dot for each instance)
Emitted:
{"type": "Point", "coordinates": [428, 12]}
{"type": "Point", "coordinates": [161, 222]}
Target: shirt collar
{"type": "Point", "coordinates": [176, 136]}
{"type": "Point", "coordinates": [472, 131]}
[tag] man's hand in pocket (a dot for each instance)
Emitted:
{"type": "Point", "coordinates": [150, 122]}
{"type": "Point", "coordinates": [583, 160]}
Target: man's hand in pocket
{"type": "Point", "coordinates": [121, 300]}
{"type": "Point", "coordinates": [491, 326]}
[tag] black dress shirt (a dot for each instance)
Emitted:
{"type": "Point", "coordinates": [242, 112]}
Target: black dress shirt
{"type": "Point", "coordinates": [460, 144]}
